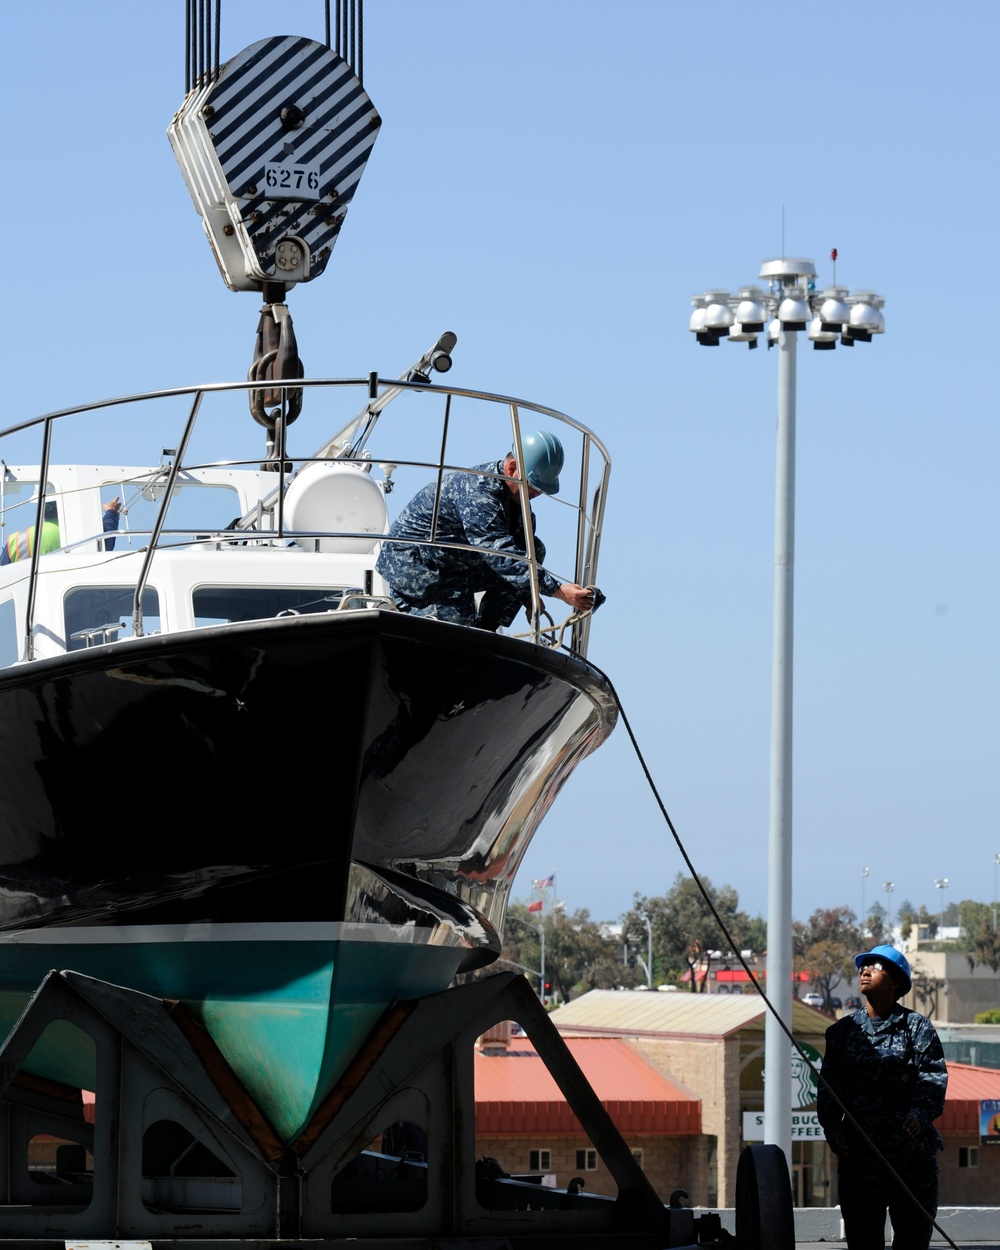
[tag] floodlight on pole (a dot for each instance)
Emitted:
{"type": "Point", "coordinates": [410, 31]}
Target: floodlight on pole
{"type": "Point", "coordinates": [888, 886]}
{"type": "Point", "coordinates": [790, 303]}
{"type": "Point", "coordinates": [941, 883]}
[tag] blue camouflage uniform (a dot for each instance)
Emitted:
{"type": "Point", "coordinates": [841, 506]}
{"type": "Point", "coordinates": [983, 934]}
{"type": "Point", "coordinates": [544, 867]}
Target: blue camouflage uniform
{"type": "Point", "coordinates": [442, 582]}
{"type": "Point", "coordinates": [882, 1070]}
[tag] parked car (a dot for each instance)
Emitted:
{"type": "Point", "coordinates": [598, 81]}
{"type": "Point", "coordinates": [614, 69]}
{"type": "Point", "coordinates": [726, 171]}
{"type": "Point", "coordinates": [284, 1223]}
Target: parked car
{"type": "Point", "coordinates": [853, 1002]}
{"type": "Point", "coordinates": [835, 1003]}
{"type": "Point", "coordinates": [813, 1000]}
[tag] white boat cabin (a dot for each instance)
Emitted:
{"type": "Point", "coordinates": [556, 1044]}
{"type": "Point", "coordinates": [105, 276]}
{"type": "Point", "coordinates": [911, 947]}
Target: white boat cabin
{"type": "Point", "coordinates": [223, 554]}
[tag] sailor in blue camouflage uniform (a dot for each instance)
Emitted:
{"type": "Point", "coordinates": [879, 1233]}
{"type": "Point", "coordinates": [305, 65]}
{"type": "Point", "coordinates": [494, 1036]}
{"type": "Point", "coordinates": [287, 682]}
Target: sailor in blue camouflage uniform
{"type": "Point", "coordinates": [482, 510]}
{"type": "Point", "coordinates": [886, 1065]}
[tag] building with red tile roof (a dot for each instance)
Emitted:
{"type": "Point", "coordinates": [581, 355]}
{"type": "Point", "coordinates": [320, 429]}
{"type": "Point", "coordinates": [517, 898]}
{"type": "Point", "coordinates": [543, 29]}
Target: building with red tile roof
{"type": "Point", "coordinates": [523, 1120]}
{"type": "Point", "coordinates": [969, 1163]}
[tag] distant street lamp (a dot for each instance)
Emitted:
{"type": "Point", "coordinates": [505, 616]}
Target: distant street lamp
{"type": "Point", "coordinates": [996, 862]}
{"type": "Point", "coordinates": [889, 886]}
{"type": "Point", "coordinates": [649, 949]}
{"type": "Point", "coordinates": [941, 883]}
{"type": "Point", "coordinates": [864, 876]}
{"type": "Point", "coordinates": [539, 929]}
{"type": "Point", "coordinates": [790, 304]}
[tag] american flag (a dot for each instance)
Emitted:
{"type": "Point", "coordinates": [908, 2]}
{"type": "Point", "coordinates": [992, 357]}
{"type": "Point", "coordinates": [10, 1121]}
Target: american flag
{"type": "Point", "coordinates": [546, 883]}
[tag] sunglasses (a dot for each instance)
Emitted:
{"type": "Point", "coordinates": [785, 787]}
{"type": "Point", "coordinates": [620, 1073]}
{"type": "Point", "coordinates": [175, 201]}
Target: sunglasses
{"type": "Point", "coordinates": [874, 965]}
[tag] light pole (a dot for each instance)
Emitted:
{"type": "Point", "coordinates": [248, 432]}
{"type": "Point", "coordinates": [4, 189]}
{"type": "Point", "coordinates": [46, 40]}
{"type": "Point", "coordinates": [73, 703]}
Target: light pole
{"type": "Point", "coordinates": [888, 886]}
{"type": "Point", "coordinates": [864, 877]}
{"type": "Point", "coordinates": [996, 862]}
{"type": "Point", "coordinates": [789, 305]}
{"type": "Point", "coordinates": [649, 949]}
{"type": "Point", "coordinates": [540, 930]}
{"type": "Point", "coordinates": [941, 883]}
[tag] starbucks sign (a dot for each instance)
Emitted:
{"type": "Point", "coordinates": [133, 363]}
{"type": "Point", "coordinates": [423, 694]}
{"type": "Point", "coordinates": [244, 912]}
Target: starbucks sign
{"type": "Point", "coordinates": [805, 1083]}
{"type": "Point", "coordinates": [805, 1126]}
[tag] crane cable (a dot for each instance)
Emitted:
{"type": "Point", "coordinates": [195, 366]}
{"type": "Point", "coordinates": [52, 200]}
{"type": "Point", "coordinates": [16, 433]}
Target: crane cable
{"type": "Point", "coordinates": [201, 42]}
{"type": "Point", "coordinates": [203, 27]}
{"type": "Point", "coordinates": [733, 946]}
{"type": "Point", "coordinates": [348, 33]}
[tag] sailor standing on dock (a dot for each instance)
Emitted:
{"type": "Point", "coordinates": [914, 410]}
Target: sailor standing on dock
{"type": "Point", "coordinates": [887, 1068]}
{"type": "Point", "coordinates": [480, 509]}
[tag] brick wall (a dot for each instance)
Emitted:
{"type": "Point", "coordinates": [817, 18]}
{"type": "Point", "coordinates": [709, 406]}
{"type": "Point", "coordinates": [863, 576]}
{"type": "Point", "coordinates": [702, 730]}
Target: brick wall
{"type": "Point", "coordinates": [968, 1187]}
{"type": "Point", "coordinates": [709, 1068]}
{"type": "Point", "coordinates": [669, 1162]}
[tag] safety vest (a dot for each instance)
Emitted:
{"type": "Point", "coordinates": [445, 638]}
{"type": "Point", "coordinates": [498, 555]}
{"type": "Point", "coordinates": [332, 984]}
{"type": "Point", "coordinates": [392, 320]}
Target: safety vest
{"type": "Point", "coordinates": [21, 544]}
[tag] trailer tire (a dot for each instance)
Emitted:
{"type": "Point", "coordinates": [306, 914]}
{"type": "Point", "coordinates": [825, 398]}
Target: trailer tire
{"type": "Point", "coordinates": [764, 1217]}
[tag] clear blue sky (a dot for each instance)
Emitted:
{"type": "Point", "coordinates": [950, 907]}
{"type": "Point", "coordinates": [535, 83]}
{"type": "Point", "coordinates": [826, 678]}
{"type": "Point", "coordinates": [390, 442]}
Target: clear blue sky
{"type": "Point", "coordinates": [567, 175]}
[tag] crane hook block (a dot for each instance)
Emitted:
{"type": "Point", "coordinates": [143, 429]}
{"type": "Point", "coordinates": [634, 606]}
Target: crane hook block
{"type": "Point", "coordinates": [272, 147]}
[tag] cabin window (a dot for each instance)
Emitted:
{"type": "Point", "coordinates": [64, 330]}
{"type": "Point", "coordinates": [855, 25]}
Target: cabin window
{"type": "Point", "coordinates": [222, 605]}
{"type": "Point", "coordinates": [195, 508]}
{"type": "Point", "coordinates": [8, 634]}
{"type": "Point", "coordinates": [19, 506]}
{"type": "Point", "coordinates": [98, 614]}
{"type": "Point", "coordinates": [968, 1156]}
{"type": "Point", "coordinates": [539, 1161]}
{"type": "Point", "coordinates": [586, 1160]}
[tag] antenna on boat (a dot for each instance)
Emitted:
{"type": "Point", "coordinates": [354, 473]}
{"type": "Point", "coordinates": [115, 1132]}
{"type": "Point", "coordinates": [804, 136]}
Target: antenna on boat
{"type": "Point", "coordinates": [272, 146]}
{"type": "Point", "coordinates": [350, 439]}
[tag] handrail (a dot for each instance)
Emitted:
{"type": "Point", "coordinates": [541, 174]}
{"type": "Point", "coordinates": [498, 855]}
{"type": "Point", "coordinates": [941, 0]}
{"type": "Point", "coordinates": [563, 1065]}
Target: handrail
{"type": "Point", "coordinates": [161, 516]}
{"type": "Point", "coordinates": [43, 478]}
{"type": "Point", "coordinates": [588, 505]}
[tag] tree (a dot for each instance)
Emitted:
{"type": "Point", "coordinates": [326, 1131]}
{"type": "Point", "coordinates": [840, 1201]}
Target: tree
{"type": "Point", "coordinates": [905, 908]}
{"type": "Point", "coordinates": [580, 954]}
{"type": "Point", "coordinates": [876, 924]}
{"type": "Point", "coordinates": [921, 917]}
{"type": "Point", "coordinates": [978, 939]}
{"type": "Point", "coordinates": [686, 936]}
{"type": "Point", "coordinates": [826, 946]}
{"type": "Point", "coordinates": [926, 991]}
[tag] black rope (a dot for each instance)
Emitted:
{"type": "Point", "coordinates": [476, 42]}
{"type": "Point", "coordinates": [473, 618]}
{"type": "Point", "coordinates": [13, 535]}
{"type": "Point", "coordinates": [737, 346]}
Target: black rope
{"type": "Point", "coordinates": [734, 947]}
{"type": "Point", "coordinates": [218, 36]}
{"type": "Point", "coordinates": [326, 8]}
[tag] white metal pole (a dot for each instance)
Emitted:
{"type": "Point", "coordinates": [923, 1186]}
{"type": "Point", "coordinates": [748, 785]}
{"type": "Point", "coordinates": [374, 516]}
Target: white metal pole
{"type": "Point", "coordinates": [996, 861]}
{"type": "Point", "coordinates": [777, 1047]}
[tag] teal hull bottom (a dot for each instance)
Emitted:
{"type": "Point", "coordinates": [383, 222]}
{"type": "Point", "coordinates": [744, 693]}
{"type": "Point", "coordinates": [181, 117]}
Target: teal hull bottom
{"type": "Point", "coordinates": [294, 1010]}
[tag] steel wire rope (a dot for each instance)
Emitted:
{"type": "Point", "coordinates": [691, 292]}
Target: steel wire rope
{"type": "Point", "coordinates": [359, 69]}
{"type": "Point", "coordinates": [733, 946]}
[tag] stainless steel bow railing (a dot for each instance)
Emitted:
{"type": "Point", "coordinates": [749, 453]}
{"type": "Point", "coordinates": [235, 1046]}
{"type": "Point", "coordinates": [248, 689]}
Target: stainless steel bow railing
{"type": "Point", "coordinates": [359, 442]}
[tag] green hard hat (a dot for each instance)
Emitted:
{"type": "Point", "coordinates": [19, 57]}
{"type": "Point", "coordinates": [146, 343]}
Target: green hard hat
{"type": "Point", "coordinates": [543, 461]}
